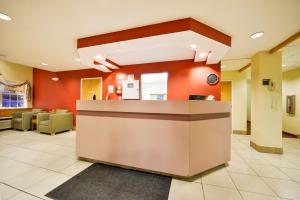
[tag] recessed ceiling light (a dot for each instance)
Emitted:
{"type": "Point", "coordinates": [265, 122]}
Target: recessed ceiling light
{"type": "Point", "coordinates": [193, 46]}
{"type": "Point", "coordinates": [45, 64]}
{"type": "Point", "coordinates": [5, 17]}
{"type": "Point", "coordinates": [55, 79]}
{"type": "Point", "coordinates": [257, 35]}
{"type": "Point", "coordinates": [77, 59]}
{"type": "Point", "coordinates": [222, 66]}
{"type": "Point", "coordinates": [283, 65]}
{"type": "Point", "coordinates": [202, 55]}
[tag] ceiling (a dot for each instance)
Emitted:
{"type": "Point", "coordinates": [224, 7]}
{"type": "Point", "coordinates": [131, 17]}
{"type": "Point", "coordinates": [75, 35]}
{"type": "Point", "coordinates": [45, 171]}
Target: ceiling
{"type": "Point", "coordinates": [160, 48]}
{"type": "Point", "coordinates": [291, 55]}
{"type": "Point", "coordinates": [46, 31]}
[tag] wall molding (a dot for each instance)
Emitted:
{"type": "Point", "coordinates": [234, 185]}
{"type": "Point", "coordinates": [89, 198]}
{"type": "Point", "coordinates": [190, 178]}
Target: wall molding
{"type": "Point", "coordinates": [239, 132]}
{"type": "Point", "coordinates": [264, 149]}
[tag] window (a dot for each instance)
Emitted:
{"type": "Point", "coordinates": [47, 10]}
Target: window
{"type": "Point", "coordinates": [154, 86]}
{"type": "Point", "coordinates": [12, 97]}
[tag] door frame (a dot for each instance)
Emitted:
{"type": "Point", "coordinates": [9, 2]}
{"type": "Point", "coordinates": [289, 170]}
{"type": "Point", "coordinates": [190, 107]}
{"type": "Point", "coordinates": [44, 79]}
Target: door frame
{"type": "Point", "coordinates": [100, 78]}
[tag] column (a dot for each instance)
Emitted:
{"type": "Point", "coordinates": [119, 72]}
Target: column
{"type": "Point", "coordinates": [266, 103]}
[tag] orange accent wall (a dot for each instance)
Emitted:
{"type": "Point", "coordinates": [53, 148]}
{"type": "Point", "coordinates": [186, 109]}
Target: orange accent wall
{"type": "Point", "coordinates": [184, 78]}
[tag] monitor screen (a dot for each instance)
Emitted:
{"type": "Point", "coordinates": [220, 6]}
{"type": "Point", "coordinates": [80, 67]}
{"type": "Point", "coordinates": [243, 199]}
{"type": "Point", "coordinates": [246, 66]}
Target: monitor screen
{"type": "Point", "coordinates": [197, 97]}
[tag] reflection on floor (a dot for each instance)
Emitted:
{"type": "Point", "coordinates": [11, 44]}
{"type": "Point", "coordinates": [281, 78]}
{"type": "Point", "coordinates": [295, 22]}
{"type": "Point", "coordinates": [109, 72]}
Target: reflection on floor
{"type": "Point", "coordinates": [33, 164]}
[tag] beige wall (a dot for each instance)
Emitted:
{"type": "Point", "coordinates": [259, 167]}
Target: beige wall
{"type": "Point", "coordinates": [291, 86]}
{"type": "Point", "coordinates": [239, 98]}
{"type": "Point", "coordinates": [16, 73]}
{"type": "Point", "coordinates": [266, 105]}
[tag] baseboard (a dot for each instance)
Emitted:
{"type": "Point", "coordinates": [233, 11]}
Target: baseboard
{"type": "Point", "coordinates": [263, 149]}
{"type": "Point", "coordinates": [239, 132]}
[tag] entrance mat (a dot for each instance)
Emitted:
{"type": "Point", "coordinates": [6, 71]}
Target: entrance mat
{"type": "Point", "coordinates": [104, 182]}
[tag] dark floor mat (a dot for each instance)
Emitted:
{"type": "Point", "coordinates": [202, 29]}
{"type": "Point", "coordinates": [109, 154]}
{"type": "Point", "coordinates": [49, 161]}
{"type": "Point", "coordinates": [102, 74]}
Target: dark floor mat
{"type": "Point", "coordinates": [103, 182]}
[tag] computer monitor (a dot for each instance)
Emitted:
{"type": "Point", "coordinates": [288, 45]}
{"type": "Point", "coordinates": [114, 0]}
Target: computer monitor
{"type": "Point", "coordinates": [197, 97]}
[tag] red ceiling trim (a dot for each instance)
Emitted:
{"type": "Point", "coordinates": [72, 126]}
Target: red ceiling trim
{"type": "Point", "coordinates": [112, 62]}
{"type": "Point", "coordinates": [154, 30]}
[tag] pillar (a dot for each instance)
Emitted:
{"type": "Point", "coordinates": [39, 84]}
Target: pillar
{"type": "Point", "coordinates": [266, 103]}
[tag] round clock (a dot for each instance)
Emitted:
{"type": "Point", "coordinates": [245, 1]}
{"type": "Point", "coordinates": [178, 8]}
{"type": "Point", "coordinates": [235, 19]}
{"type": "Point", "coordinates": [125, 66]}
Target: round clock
{"type": "Point", "coordinates": [212, 79]}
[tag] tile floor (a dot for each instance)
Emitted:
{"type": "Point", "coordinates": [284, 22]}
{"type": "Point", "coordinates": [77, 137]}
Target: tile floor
{"type": "Point", "coordinates": [33, 164]}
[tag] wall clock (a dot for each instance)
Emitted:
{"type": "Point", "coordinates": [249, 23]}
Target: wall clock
{"type": "Point", "coordinates": [212, 79]}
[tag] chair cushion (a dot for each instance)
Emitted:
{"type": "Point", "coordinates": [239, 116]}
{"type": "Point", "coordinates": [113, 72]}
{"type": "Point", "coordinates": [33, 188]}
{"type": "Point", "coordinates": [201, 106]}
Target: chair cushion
{"type": "Point", "coordinates": [45, 122]}
{"type": "Point", "coordinates": [19, 120]}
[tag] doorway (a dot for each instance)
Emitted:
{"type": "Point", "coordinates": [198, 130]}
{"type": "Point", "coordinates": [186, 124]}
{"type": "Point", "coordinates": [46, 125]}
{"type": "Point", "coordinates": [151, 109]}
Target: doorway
{"type": "Point", "coordinates": [226, 91]}
{"type": "Point", "coordinates": [91, 88]}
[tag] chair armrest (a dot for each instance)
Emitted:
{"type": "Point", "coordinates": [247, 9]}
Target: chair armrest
{"type": "Point", "coordinates": [17, 115]}
{"type": "Point", "coordinates": [42, 117]}
{"type": "Point", "coordinates": [26, 120]}
{"type": "Point", "coordinates": [61, 122]}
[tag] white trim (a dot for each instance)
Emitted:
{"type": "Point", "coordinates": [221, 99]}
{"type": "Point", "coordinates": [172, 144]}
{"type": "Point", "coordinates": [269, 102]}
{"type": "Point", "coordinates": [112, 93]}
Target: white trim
{"type": "Point", "coordinates": [88, 79]}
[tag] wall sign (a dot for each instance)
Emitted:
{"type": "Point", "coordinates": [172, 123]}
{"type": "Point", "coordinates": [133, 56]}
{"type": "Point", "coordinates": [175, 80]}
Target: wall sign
{"type": "Point", "coordinates": [212, 79]}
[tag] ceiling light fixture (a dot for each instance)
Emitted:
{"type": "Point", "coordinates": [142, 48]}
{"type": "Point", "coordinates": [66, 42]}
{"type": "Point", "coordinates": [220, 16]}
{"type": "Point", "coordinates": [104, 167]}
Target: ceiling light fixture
{"type": "Point", "coordinates": [283, 65]}
{"type": "Point", "coordinates": [55, 79]}
{"type": "Point", "coordinates": [45, 64]}
{"type": "Point", "coordinates": [193, 46]}
{"type": "Point", "coordinates": [5, 17]}
{"type": "Point", "coordinates": [257, 35]}
{"type": "Point", "coordinates": [77, 59]}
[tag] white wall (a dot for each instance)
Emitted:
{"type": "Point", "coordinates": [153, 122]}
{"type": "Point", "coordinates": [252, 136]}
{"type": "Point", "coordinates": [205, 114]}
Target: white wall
{"type": "Point", "coordinates": [149, 88]}
{"type": "Point", "coordinates": [291, 86]}
{"type": "Point", "coordinates": [239, 98]}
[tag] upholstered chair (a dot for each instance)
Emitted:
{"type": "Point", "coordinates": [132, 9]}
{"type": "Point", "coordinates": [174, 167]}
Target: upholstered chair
{"type": "Point", "coordinates": [52, 123]}
{"type": "Point", "coordinates": [22, 120]}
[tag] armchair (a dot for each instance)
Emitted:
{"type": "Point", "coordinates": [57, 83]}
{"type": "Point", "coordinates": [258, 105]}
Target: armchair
{"type": "Point", "coordinates": [54, 122]}
{"type": "Point", "coordinates": [21, 121]}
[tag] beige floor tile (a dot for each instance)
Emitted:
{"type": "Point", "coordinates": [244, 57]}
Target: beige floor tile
{"type": "Point", "coordinates": [60, 164]}
{"type": "Point", "coordinates": [250, 183]}
{"type": "Point", "coordinates": [294, 174]}
{"type": "Point", "coordinates": [30, 178]}
{"type": "Point", "coordinates": [217, 193]}
{"type": "Point", "coordinates": [269, 171]}
{"type": "Point", "coordinates": [46, 185]}
{"type": "Point", "coordinates": [7, 192]}
{"type": "Point", "coordinates": [284, 188]}
{"type": "Point", "coordinates": [240, 167]}
{"type": "Point", "coordinates": [218, 178]}
{"type": "Point", "coordinates": [182, 190]}
{"type": "Point", "coordinates": [24, 196]}
{"type": "Point", "coordinates": [76, 168]}
{"type": "Point", "coordinates": [255, 196]}
{"type": "Point", "coordinates": [12, 171]}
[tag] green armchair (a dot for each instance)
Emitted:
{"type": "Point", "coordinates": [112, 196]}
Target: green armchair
{"type": "Point", "coordinates": [52, 123]}
{"type": "Point", "coordinates": [22, 120]}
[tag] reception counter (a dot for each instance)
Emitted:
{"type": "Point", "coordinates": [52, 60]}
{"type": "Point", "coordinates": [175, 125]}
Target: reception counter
{"type": "Point", "coordinates": [179, 138]}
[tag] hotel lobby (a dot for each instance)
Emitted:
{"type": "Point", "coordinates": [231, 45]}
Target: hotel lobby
{"type": "Point", "coordinates": [150, 100]}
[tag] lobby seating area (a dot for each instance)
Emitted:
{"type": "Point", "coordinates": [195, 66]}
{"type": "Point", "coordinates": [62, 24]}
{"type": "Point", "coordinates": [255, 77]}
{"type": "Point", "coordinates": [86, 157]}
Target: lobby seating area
{"type": "Point", "coordinates": [55, 121]}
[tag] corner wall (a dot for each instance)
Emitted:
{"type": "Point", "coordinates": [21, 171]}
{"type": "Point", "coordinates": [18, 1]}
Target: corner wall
{"type": "Point", "coordinates": [239, 99]}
